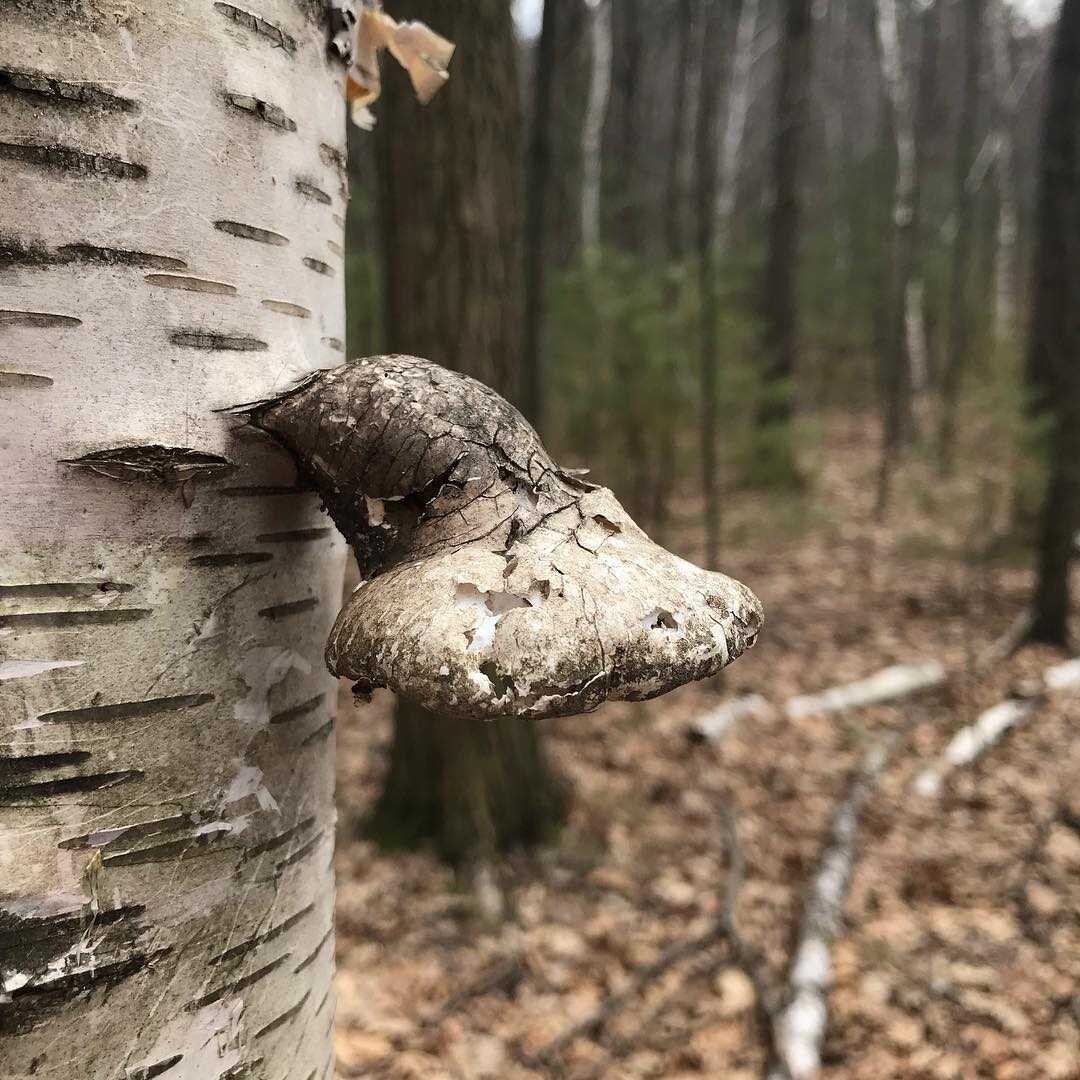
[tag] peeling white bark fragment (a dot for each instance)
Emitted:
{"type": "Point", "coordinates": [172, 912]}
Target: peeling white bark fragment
{"type": "Point", "coordinates": [262, 668]}
{"type": "Point", "coordinates": [890, 683]}
{"type": "Point", "coordinates": [25, 669]}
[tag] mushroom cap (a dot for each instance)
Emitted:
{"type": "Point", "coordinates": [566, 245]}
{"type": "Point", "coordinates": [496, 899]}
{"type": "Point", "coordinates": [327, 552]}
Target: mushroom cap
{"type": "Point", "coordinates": [584, 608]}
{"type": "Point", "coordinates": [497, 583]}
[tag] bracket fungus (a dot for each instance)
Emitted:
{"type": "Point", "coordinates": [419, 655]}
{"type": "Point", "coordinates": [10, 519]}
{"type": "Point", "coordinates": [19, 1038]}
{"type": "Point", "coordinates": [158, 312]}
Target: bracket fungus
{"type": "Point", "coordinates": [495, 583]}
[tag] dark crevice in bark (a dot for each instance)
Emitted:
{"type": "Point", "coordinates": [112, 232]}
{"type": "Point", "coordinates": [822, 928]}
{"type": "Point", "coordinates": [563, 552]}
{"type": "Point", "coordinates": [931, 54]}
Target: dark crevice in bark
{"type": "Point", "coordinates": [289, 608]}
{"type": "Point", "coordinates": [69, 159]}
{"type": "Point", "coordinates": [211, 340]}
{"type": "Point", "coordinates": [263, 110]}
{"type": "Point", "coordinates": [49, 90]}
{"type": "Point", "coordinates": [311, 191]}
{"type": "Point", "coordinates": [251, 232]}
{"type": "Point", "coordinates": [126, 710]}
{"type": "Point", "coordinates": [298, 712]}
{"type": "Point", "coordinates": [60, 620]}
{"type": "Point", "coordinates": [257, 25]}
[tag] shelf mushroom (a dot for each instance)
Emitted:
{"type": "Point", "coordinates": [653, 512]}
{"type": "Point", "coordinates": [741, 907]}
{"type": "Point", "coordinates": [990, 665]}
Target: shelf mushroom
{"type": "Point", "coordinates": [495, 582]}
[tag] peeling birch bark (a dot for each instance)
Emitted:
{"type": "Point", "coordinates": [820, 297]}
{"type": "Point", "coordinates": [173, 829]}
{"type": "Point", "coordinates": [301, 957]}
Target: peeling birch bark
{"type": "Point", "coordinates": [898, 681]}
{"type": "Point", "coordinates": [166, 772]}
{"type": "Point", "coordinates": [496, 583]}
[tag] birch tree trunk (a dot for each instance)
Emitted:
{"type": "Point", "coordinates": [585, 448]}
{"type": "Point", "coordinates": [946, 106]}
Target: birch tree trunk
{"type": "Point", "coordinates": [738, 108]}
{"type": "Point", "coordinates": [1006, 269]}
{"type": "Point", "coordinates": [896, 364]}
{"type": "Point", "coordinates": [171, 201]}
{"type": "Point", "coordinates": [963, 244]}
{"type": "Point", "coordinates": [593, 130]}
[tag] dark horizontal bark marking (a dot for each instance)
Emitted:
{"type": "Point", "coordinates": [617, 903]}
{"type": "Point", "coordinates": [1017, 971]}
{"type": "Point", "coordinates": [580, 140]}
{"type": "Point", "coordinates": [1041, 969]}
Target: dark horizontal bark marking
{"type": "Point", "coordinates": [12, 768]}
{"type": "Point", "coordinates": [190, 284]}
{"type": "Point", "coordinates": [149, 1072]}
{"type": "Point", "coordinates": [69, 160]}
{"type": "Point", "coordinates": [319, 733]}
{"type": "Point", "coordinates": [128, 832]}
{"type": "Point", "coordinates": [24, 380]}
{"type": "Point", "coordinates": [39, 319]}
{"type": "Point", "coordinates": [297, 712]}
{"type": "Point", "coordinates": [277, 841]}
{"type": "Point", "coordinates": [334, 343]}
{"type": "Point", "coordinates": [261, 939]}
{"type": "Point", "coordinates": [312, 191]}
{"type": "Point", "coordinates": [60, 620]}
{"type": "Point", "coordinates": [32, 1004]}
{"type": "Point", "coordinates": [318, 266]}
{"type": "Point", "coordinates": [238, 984]}
{"type": "Point", "coordinates": [169, 465]}
{"type": "Point", "coordinates": [285, 308]}
{"type": "Point", "coordinates": [300, 853]}
{"type": "Point", "coordinates": [63, 588]}
{"type": "Point", "coordinates": [208, 339]}
{"type": "Point", "coordinates": [293, 536]}
{"type": "Point", "coordinates": [335, 247]}
{"type": "Point", "coordinates": [248, 491]}
{"type": "Point", "coordinates": [126, 710]}
{"type": "Point", "coordinates": [284, 1018]}
{"type": "Point", "coordinates": [332, 156]}
{"type": "Point", "coordinates": [62, 92]}
{"type": "Point", "coordinates": [314, 954]}
{"type": "Point", "coordinates": [170, 851]}
{"type": "Point", "coordinates": [264, 110]}
{"type": "Point", "coordinates": [274, 34]}
{"type": "Point", "coordinates": [107, 256]}
{"type": "Point", "coordinates": [73, 785]}
{"type": "Point", "coordinates": [291, 607]}
{"type": "Point", "coordinates": [232, 558]}
{"type": "Point", "coordinates": [251, 232]}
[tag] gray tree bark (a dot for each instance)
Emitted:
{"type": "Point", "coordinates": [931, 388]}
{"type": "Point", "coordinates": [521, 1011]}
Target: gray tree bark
{"type": "Point", "coordinates": [171, 204]}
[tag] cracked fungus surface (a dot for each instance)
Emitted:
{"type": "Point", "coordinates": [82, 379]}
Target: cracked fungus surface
{"type": "Point", "coordinates": [496, 583]}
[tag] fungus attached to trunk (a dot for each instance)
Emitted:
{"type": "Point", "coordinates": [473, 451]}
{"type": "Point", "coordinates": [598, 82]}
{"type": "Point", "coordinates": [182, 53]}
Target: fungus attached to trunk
{"type": "Point", "coordinates": [495, 582]}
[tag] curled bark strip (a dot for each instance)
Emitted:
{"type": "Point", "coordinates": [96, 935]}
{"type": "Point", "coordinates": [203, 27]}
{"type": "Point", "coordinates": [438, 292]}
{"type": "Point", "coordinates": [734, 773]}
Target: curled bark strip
{"type": "Point", "coordinates": [497, 583]}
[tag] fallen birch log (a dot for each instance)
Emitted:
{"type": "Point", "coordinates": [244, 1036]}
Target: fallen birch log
{"type": "Point", "coordinates": [972, 741]}
{"type": "Point", "coordinates": [900, 680]}
{"type": "Point", "coordinates": [799, 1027]}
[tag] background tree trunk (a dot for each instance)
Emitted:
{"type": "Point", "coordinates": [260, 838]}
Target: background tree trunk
{"type": "Point", "coordinates": [779, 284]}
{"type": "Point", "coordinates": [1054, 353]}
{"type": "Point", "coordinates": [538, 169]}
{"type": "Point", "coordinates": [963, 242]}
{"type": "Point", "coordinates": [171, 202]}
{"type": "Point", "coordinates": [450, 212]}
{"type": "Point", "coordinates": [896, 367]}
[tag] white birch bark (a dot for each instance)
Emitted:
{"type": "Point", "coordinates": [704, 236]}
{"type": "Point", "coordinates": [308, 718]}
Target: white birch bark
{"type": "Point", "coordinates": [593, 129]}
{"type": "Point", "coordinates": [171, 200]}
{"type": "Point", "coordinates": [735, 123]}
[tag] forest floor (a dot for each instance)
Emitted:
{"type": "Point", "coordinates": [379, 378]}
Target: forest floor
{"type": "Point", "coordinates": [958, 954]}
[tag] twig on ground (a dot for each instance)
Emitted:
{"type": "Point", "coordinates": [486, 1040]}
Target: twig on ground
{"type": "Point", "coordinates": [743, 955]}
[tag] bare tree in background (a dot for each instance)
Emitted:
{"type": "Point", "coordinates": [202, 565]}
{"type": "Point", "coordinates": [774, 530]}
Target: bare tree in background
{"type": "Point", "coordinates": [450, 211]}
{"type": "Point", "coordinates": [960, 326]}
{"type": "Point", "coordinates": [1054, 350]}
{"type": "Point", "coordinates": [896, 367]}
{"type": "Point", "coordinates": [779, 282]}
{"type": "Point", "coordinates": [600, 58]}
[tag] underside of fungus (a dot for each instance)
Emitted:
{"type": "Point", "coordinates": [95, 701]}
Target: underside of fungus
{"type": "Point", "coordinates": [495, 582]}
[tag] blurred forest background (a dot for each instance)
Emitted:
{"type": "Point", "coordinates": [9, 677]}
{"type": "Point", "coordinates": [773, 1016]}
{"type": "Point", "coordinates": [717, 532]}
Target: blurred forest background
{"type": "Point", "coordinates": [800, 281]}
